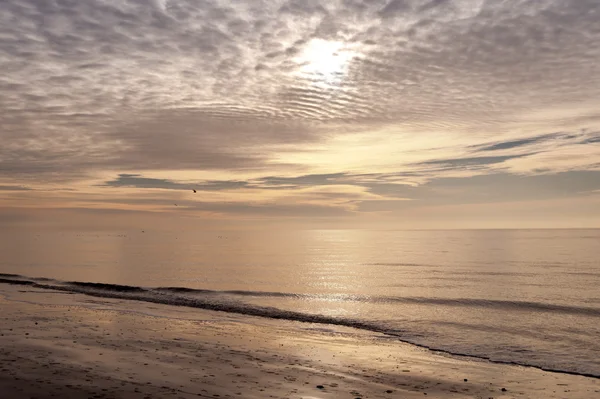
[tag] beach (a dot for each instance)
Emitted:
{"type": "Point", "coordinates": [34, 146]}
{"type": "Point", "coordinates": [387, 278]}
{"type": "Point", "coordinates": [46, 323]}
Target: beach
{"type": "Point", "coordinates": [70, 345]}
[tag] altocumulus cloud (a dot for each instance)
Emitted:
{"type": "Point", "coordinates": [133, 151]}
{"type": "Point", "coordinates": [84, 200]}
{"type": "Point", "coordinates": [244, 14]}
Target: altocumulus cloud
{"type": "Point", "coordinates": [131, 88]}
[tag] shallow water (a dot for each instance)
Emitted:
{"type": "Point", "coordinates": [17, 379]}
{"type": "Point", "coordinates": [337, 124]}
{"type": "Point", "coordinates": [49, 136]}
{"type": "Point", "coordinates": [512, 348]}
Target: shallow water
{"type": "Point", "coordinates": [525, 296]}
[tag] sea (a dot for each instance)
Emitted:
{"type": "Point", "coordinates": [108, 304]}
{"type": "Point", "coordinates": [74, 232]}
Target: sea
{"type": "Point", "coordinates": [526, 297]}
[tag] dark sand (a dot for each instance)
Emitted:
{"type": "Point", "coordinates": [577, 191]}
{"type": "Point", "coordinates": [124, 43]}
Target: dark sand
{"type": "Point", "coordinates": [74, 346]}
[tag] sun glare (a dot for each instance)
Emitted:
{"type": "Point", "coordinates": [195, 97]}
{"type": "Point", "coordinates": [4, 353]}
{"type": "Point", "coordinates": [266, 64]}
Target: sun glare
{"type": "Point", "coordinates": [325, 60]}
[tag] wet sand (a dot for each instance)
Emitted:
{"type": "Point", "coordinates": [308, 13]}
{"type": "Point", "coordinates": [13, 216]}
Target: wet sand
{"type": "Point", "coordinates": [72, 346]}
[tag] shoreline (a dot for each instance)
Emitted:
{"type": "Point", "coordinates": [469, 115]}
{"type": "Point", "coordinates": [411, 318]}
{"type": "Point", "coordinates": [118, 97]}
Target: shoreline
{"type": "Point", "coordinates": [77, 346]}
{"type": "Point", "coordinates": [145, 295]}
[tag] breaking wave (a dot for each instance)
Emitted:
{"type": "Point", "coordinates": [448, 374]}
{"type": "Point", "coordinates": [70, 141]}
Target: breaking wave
{"type": "Point", "coordinates": [213, 300]}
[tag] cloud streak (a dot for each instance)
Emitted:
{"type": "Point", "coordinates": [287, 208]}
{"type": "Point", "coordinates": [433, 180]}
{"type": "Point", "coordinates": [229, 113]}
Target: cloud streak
{"type": "Point", "coordinates": [137, 181]}
{"type": "Point", "coordinates": [13, 188]}
{"type": "Point", "coordinates": [509, 145]}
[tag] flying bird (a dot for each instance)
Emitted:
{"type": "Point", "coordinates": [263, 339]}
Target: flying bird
{"type": "Point", "coordinates": [194, 190]}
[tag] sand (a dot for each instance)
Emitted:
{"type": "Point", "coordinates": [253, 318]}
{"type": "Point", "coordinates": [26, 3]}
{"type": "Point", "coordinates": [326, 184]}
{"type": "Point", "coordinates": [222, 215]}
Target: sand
{"type": "Point", "coordinates": [72, 346]}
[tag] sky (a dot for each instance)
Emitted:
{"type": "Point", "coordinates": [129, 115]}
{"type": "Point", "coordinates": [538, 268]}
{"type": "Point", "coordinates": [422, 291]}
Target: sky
{"type": "Point", "coordinates": [325, 114]}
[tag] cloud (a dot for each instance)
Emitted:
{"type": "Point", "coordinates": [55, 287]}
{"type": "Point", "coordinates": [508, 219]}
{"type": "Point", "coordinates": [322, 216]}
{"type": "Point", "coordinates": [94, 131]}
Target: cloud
{"type": "Point", "coordinates": [13, 188]}
{"type": "Point", "coordinates": [394, 7]}
{"type": "Point", "coordinates": [409, 90]}
{"type": "Point", "coordinates": [593, 137]}
{"type": "Point", "coordinates": [137, 181]}
{"type": "Point", "coordinates": [302, 181]}
{"type": "Point", "coordinates": [458, 163]}
{"type": "Point", "coordinates": [265, 183]}
{"type": "Point", "coordinates": [508, 145]}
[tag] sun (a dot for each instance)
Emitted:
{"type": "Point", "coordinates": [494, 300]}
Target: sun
{"type": "Point", "coordinates": [325, 60]}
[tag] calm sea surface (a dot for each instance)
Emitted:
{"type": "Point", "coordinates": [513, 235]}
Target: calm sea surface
{"type": "Point", "coordinates": [530, 297]}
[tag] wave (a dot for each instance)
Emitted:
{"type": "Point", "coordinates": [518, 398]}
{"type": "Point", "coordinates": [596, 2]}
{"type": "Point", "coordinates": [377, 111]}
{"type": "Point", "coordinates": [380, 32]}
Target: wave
{"type": "Point", "coordinates": [107, 287]}
{"type": "Point", "coordinates": [17, 282]}
{"type": "Point", "coordinates": [161, 297]}
{"type": "Point", "coordinates": [195, 295]}
{"type": "Point", "coordinates": [205, 299]}
{"type": "Point", "coordinates": [10, 275]}
{"type": "Point", "coordinates": [392, 264]}
{"type": "Point", "coordinates": [455, 302]}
